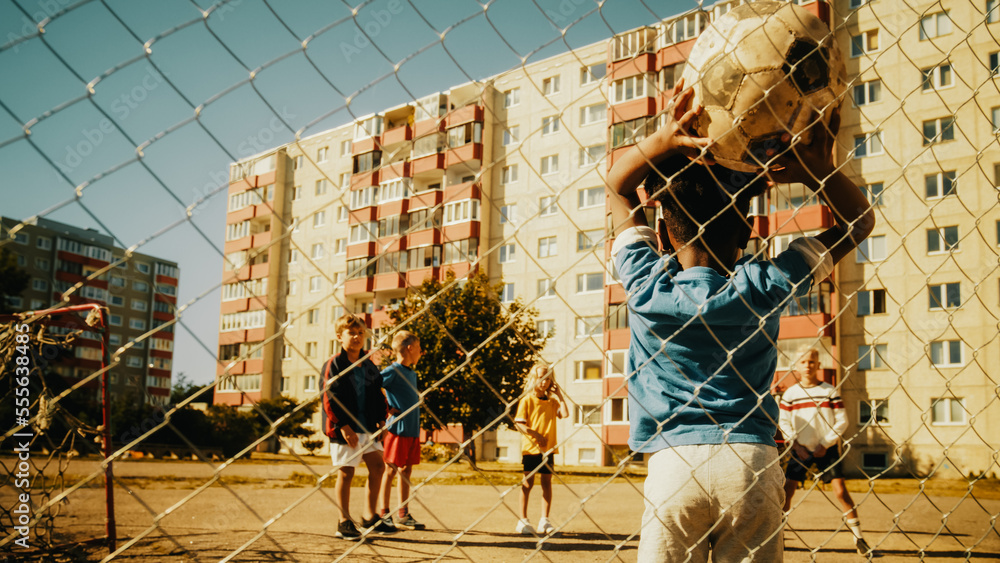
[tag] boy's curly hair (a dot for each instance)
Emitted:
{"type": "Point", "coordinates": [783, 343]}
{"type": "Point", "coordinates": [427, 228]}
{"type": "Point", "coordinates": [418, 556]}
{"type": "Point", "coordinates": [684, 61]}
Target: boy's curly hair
{"type": "Point", "coordinates": [711, 196]}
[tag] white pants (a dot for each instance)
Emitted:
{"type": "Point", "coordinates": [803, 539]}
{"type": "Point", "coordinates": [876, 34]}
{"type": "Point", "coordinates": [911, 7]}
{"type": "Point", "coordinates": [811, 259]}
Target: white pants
{"type": "Point", "coordinates": [724, 498]}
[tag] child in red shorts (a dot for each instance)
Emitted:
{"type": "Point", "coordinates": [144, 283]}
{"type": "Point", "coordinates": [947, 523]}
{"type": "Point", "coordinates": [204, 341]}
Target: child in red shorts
{"type": "Point", "coordinates": [402, 439]}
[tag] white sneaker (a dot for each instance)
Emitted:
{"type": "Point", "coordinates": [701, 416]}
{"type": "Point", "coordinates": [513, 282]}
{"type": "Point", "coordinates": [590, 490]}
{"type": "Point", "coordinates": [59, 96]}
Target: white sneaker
{"type": "Point", "coordinates": [524, 527]}
{"type": "Point", "coordinates": [545, 527]}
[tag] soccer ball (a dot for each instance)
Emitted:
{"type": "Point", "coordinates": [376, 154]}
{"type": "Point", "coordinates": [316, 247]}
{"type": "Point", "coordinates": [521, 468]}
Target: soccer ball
{"type": "Point", "coordinates": [762, 70]}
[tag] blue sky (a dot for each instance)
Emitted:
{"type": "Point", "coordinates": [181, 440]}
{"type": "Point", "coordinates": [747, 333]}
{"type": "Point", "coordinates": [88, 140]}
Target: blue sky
{"type": "Point", "coordinates": [150, 63]}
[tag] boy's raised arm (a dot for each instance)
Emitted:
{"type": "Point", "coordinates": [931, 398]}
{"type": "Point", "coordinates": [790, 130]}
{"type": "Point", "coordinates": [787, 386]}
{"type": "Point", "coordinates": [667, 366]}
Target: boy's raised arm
{"type": "Point", "coordinates": [633, 167]}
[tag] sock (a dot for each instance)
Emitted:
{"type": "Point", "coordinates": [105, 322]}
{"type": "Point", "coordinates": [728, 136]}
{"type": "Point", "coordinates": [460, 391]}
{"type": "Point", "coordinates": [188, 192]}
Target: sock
{"type": "Point", "coordinates": [402, 513]}
{"type": "Point", "coordinates": [384, 512]}
{"type": "Point", "coordinates": [855, 526]}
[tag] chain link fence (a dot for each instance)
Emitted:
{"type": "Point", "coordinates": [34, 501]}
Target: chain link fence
{"type": "Point", "coordinates": [372, 148]}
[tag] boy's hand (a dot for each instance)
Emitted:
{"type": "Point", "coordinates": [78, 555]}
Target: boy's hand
{"type": "Point", "coordinates": [820, 451]}
{"type": "Point", "coordinates": [800, 451]}
{"type": "Point", "coordinates": [808, 164]}
{"type": "Point", "coordinates": [394, 411]}
{"type": "Point", "coordinates": [349, 436]}
{"type": "Point", "coordinates": [675, 135]}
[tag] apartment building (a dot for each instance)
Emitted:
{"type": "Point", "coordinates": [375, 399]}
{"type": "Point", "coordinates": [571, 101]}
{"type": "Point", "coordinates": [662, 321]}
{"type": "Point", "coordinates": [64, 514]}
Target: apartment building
{"type": "Point", "coordinates": [507, 175]}
{"type": "Point", "coordinates": [68, 266]}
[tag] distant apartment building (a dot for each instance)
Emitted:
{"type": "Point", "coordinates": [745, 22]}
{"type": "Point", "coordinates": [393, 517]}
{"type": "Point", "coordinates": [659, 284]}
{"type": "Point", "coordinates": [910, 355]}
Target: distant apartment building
{"type": "Point", "coordinates": [507, 175]}
{"type": "Point", "coordinates": [68, 266]}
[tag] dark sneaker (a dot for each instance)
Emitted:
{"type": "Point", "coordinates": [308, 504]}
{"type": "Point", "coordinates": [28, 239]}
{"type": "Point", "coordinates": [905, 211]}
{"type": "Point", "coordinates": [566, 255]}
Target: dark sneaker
{"type": "Point", "coordinates": [346, 530]}
{"type": "Point", "coordinates": [864, 549]}
{"type": "Point", "coordinates": [380, 526]}
{"type": "Point", "coordinates": [409, 522]}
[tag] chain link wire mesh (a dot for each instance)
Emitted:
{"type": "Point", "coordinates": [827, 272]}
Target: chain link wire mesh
{"type": "Point", "coordinates": [906, 327]}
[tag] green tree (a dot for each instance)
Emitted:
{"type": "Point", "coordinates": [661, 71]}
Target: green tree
{"type": "Point", "coordinates": [476, 351]}
{"type": "Point", "coordinates": [184, 388]}
{"type": "Point", "coordinates": [13, 280]}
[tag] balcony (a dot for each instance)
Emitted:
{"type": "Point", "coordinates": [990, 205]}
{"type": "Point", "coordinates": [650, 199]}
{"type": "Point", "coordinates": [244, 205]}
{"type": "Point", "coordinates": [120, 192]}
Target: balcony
{"type": "Point", "coordinates": [395, 170]}
{"type": "Point", "coordinates": [640, 64]}
{"type": "Point", "coordinates": [361, 250]}
{"type": "Point", "coordinates": [425, 199]}
{"type": "Point", "coordinates": [425, 164]}
{"type": "Point", "coordinates": [467, 114]}
{"type": "Point", "coordinates": [465, 190]}
{"type": "Point", "coordinates": [614, 434]}
{"type": "Point", "coordinates": [806, 326]}
{"type": "Point", "coordinates": [805, 218]}
{"type": "Point", "coordinates": [461, 231]}
{"type": "Point", "coordinates": [416, 277]}
{"type": "Point", "coordinates": [397, 135]}
{"type": "Point", "coordinates": [359, 285]}
{"type": "Point", "coordinates": [365, 179]}
{"type": "Point", "coordinates": [470, 154]}
{"type": "Point", "coordinates": [616, 339]}
{"type": "Point", "coordinates": [674, 53]}
{"type": "Point", "coordinates": [633, 109]}
{"type": "Point", "coordinates": [424, 237]}
{"type": "Point", "coordinates": [368, 144]}
{"type": "Point", "coordinates": [388, 281]}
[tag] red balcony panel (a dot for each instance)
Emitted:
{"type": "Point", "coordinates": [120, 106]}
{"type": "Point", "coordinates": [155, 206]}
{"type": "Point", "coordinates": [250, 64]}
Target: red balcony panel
{"type": "Point", "coordinates": [258, 271]}
{"type": "Point", "coordinates": [68, 277]}
{"type": "Point", "coordinates": [460, 231]}
{"type": "Point", "coordinates": [262, 239]}
{"type": "Point", "coordinates": [425, 237]}
{"type": "Point", "coordinates": [633, 109]}
{"type": "Point", "coordinates": [361, 250]}
{"type": "Point", "coordinates": [225, 368]}
{"type": "Point", "coordinates": [391, 280]}
{"type": "Point", "coordinates": [616, 339]}
{"type": "Point", "coordinates": [157, 372]}
{"type": "Point", "coordinates": [615, 293]}
{"type": "Point", "coordinates": [239, 215]}
{"type": "Point", "coordinates": [363, 215]}
{"type": "Point", "coordinates": [163, 316]}
{"type": "Point", "coordinates": [397, 135]}
{"type": "Point", "coordinates": [380, 317]}
{"type": "Point", "coordinates": [673, 54]}
{"type": "Point", "coordinates": [161, 354]}
{"type": "Point", "coordinates": [392, 208]}
{"type": "Point", "coordinates": [234, 306]}
{"type": "Point", "coordinates": [821, 10]}
{"type": "Point", "coordinates": [761, 226]}
{"type": "Point", "coordinates": [70, 257]}
{"type": "Point", "coordinates": [367, 144]}
{"type": "Point", "coordinates": [806, 326]}
{"type": "Point", "coordinates": [164, 335]}
{"type": "Point", "coordinates": [616, 154]}
{"type": "Point", "coordinates": [236, 398]}
{"type": "Point", "coordinates": [232, 337]}
{"type": "Point", "coordinates": [163, 392]}
{"type": "Point", "coordinates": [240, 186]}
{"type": "Point", "coordinates": [427, 163]}
{"type": "Point", "coordinates": [165, 298]}
{"type": "Point", "coordinates": [416, 277]}
{"type": "Point", "coordinates": [394, 170]}
{"type": "Point", "coordinates": [460, 269]}
{"type": "Point", "coordinates": [390, 244]}
{"type": "Point", "coordinates": [358, 285]}
{"type": "Point", "coordinates": [364, 179]}
{"type": "Point", "coordinates": [465, 153]}
{"type": "Point", "coordinates": [427, 126]}
{"type": "Point", "coordinates": [425, 199]}
{"type": "Point", "coordinates": [265, 179]}
{"type": "Point", "coordinates": [465, 190]}
{"type": "Point", "coordinates": [262, 210]}
{"type": "Point", "coordinates": [257, 302]}
{"type": "Point", "coordinates": [614, 386]}
{"type": "Point", "coordinates": [465, 114]}
{"type": "Point", "coordinates": [255, 334]}
{"type": "Point", "coordinates": [624, 68]}
{"type": "Point", "coordinates": [238, 244]}
{"type": "Point", "coordinates": [805, 218]}
{"type": "Point", "coordinates": [166, 279]}
{"type": "Point", "coordinates": [613, 435]}
{"type": "Point", "coordinates": [254, 366]}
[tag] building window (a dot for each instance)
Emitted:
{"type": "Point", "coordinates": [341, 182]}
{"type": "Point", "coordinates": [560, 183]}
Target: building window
{"type": "Point", "coordinates": [312, 316]}
{"type": "Point", "coordinates": [587, 283]}
{"type": "Point", "coordinates": [630, 88]}
{"type": "Point", "coordinates": [632, 43]}
{"type": "Point", "coordinates": [946, 353]}
{"type": "Point", "coordinates": [508, 252]}
{"type": "Point", "coordinates": [868, 145]}
{"type": "Point", "coordinates": [617, 316]}
{"type": "Point", "coordinates": [137, 324]}
{"type": "Point", "coordinates": [864, 43]}
{"type": "Point", "coordinates": [589, 326]}
{"type": "Point", "coordinates": [994, 61]}
{"type": "Point", "coordinates": [545, 327]}
{"type": "Point", "coordinates": [871, 302]}
{"type": "Point", "coordinates": [461, 211]}
{"type": "Point", "coordinates": [115, 320]}
{"type": "Point", "coordinates": [596, 113]}
{"type": "Point", "coordinates": [939, 130]}
{"type": "Point", "coordinates": [340, 246]}
{"type": "Point", "coordinates": [319, 219]}
{"type": "Point", "coordinates": [367, 161]}
{"type": "Point", "coordinates": [872, 249]}
{"type": "Point", "coordinates": [465, 134]}
{"type": "Point", "coordinates": [511, 135]}
{"type": "Point", "coordinates": [296, 193]}
{"type": "Point", "coordinates": [139, 305]}
{"type": "Point", "coordinates": [346, 147]}
{"type": "Point", "coordinates": [944, 296]}
{"type": "Point", "coordinates": [992, 11]}
{"type": "Point", "coordinates": [39, 284]}
{"type": "Point", "coordinates": [315, 284]}
{"type": "Point", "coordinates": [935, 25]}
{"type": "Point", "coordinates": [547, 206]}
{"type": "Point", "coordinates": [550, 85]}
{"type": "Point", "coordinates": [547, 247]}
{"type": "Point", "coordinates": [322, 153]}
{"type": "Point", "coordinates": [590, 197]}
{"type": "Point", "coordinates": [936, 77]}
{"type": "Point", "coordinates": [508, 213]}
{"type": "Point", "coordinates": [590, 156]}
{"type": "Point", "coordinates": [996, 120]}
{"type": "Point", "coordinates": [550, 125]}
{"type": "Point", "coordinates": [585, 240]}
{"type": "Point", "coordinates": [512, 97]}
{"type": "Point", "coordinates": [948, 411]}
{"type": "Point", "coordinates": [588, 370]}
{"type": "Point", "coordinates": [872, 357]}
{"type": "Point", "coordinates": [317, 251]}
{"type": "Point", "coordinates": [546, 288]}
{"type": "Point", "coordinates": [466, 250]}
{"type": "Point", "coordinates": [940, 184]}
{"type": "Point", "coordinates": [44, 243]}
{"type": "Point", "coordinates": [587, 415]}
{"type": "Point", "coordinates": [592, 74]}
{"type": "Point", "coordinates": [309, 383]}
{"type": "Point", "coordinates": [942, 240]}
{"type": "Point", "coordinates": [507, 293]}
{"type": "Point", "coordinates": [321, 186]}
{"type": "Point", "coordinates": [550, 164]}
{"type": "Point", "coordinates": [508, 174]}
{"type": "Point", "coordinates": [868, 93]}
{"type": "Point", "coordinates": [618, 411]}
{"type": "Point", "coordinates": [687, 27]}
{"type": "Point", "coordinates": [874, 412]}
{"type": "Point", "coordinates": [873, 193]}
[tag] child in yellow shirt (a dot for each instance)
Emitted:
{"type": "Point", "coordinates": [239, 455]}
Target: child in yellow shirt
{"type": "Point", "coordinates": [536, 418]}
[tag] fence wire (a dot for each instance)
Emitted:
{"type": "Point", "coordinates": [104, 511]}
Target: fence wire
{"type": "Point", "coordinates": [505, 170]}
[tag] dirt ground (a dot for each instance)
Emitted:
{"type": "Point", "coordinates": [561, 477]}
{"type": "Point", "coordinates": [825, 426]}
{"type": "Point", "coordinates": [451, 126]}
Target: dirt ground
{"type": "Point", "coordinates": [274, 511]}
